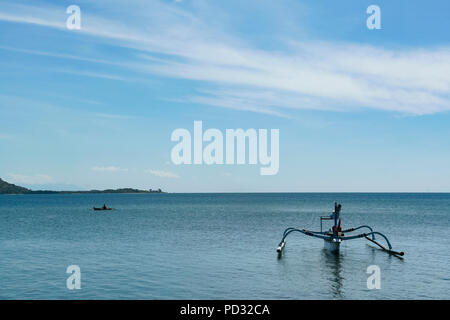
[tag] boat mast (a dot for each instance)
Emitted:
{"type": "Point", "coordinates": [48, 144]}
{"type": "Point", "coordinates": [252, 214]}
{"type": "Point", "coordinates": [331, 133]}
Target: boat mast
{"type": "Point", "coordinates": [337, 211]}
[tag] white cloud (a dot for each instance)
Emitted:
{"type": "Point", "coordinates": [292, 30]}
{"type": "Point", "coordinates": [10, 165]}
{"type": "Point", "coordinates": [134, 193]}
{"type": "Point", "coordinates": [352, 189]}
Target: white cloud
{"type": "Point", "coordinates": [306, 75]}
{"type": "Point", "coordinates": [30, 179]}
{"type": "Point", "coordinates": [162, 174]}
{"type": "Point", "coordinates": [108, 169]}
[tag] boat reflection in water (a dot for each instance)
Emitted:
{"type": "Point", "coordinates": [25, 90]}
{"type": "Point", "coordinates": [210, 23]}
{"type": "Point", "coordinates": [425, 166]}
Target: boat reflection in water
{"type": "Point", "coordinates": [332, 262]}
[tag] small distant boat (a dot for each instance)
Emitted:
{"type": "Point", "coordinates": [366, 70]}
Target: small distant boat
{"type": "Point", "coordinates": [102, 208]}
{"type": "Point", "coordinates": [334, 237]}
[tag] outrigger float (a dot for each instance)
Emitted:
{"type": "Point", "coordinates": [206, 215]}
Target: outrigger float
{"type": "Point", "coordinates": [334, 237]}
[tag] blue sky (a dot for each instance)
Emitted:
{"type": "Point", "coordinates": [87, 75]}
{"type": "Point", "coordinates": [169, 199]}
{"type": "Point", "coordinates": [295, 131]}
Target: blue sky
{"type": "Point", "coordinates": [357, 109]}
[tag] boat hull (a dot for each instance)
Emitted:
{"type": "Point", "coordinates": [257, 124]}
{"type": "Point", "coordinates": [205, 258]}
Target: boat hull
{"type": "Point", "coordinates": [332, 245]}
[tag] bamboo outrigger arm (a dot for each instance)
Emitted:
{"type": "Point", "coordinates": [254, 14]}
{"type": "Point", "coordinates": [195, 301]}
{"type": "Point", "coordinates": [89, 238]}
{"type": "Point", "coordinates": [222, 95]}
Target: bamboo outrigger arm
{"type": "Point", "coordinates": [286, 232]}
{"type": "Point", "coordinates": [360, 227]}
{"type": "Point", "coordinates": [365, 235]}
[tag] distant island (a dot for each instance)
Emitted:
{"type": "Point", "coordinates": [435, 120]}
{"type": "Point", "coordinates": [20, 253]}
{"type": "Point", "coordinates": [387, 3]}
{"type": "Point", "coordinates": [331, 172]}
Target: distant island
{"type": "Point", "coordinates": [9, 188]}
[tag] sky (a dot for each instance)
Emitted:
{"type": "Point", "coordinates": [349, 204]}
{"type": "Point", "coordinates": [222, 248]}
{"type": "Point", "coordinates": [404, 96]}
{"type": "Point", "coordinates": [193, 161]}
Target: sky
{"type": "Point", "coordinates": [357, 110]}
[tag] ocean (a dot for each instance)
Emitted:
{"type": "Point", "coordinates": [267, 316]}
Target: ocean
{"type": "Point", "coordinates": [220, 246]}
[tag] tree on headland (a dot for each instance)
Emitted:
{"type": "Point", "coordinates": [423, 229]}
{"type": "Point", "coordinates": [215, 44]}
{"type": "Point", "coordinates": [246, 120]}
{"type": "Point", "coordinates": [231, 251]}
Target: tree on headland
{"type": "Point", "coordinates": [9, 188]}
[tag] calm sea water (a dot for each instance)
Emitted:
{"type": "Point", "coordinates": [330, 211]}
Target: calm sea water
{"type": "Point", "coordinates": [219, 246]}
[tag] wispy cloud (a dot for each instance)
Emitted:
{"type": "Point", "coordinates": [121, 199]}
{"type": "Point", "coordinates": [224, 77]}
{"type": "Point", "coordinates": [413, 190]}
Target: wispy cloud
{"type": "Point", "coordinates": [91, 74]}
{"type": "Point", "coordinates": [32, 15]}
{"type": "Point", "coordinates": [30, 179]}
{"type": "Point", "coordinates": [58, 55]}
{"type": "Point", "coordinates": [162, 174]}
{"type": "Point", "coordinates": [306, 75]}
{"type": "Point", "coordinates": [113, 116]}
{"type": "Point", "coordinates": [108, 169]}
{"type": "Point", "coordinates": [5, 136]}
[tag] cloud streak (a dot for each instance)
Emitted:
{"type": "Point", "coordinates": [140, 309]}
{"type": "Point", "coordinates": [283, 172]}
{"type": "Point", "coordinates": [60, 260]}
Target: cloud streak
{"type": "Point", "coordinates": [303, 75]}
{"type": "Point", "coordinates": [108, 169]}
{"type": "Point", "coordinates": [162, 174]}
{"type": "Point", "coordinates": [33, 179]}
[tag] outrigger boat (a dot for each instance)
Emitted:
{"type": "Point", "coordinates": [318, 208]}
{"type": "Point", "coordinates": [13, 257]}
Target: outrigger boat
{"type": "Point", "coordinates": [334, 237]}
{"type": "Point", "coordinates": [102, 208]}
